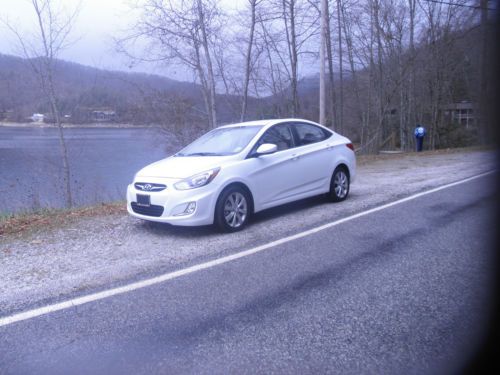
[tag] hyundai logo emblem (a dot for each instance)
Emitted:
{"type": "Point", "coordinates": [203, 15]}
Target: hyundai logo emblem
{"type": "Point", "coordinates": [147, 187]}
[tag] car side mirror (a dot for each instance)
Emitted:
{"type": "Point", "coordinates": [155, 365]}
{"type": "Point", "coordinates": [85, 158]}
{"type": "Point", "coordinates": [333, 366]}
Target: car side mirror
{"type": "Point", "coordinates": [266, 148]}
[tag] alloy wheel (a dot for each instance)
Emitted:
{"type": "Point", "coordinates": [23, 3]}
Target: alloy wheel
{"type": "Point", "coordinates": [341, 184]}
{"type": "Point", "coordinates": [235, 209]}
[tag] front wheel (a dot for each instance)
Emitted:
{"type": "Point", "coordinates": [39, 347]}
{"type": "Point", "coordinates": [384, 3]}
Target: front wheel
{"type": "Point", "coordinates": [232, 209]}
{"type": "Point", "coordinates": [339, 185]}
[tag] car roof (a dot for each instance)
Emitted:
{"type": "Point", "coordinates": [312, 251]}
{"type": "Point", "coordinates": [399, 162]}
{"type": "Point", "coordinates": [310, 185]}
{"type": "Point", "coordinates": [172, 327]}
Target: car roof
{"type": "Point", "coordinates": [246, 123]}
{"type": "Point", "coordinates": [267, 122]}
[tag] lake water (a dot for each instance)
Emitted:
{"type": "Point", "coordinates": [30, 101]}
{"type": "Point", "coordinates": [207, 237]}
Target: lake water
{"type": "Point", "coordinates": [103, 162]}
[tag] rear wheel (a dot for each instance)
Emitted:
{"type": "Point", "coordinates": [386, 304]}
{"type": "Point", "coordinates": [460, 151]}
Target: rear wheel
{"type": "Point", "coordinates": [232, 209]}
{"type": "Point", "coordinates": [339, 185]}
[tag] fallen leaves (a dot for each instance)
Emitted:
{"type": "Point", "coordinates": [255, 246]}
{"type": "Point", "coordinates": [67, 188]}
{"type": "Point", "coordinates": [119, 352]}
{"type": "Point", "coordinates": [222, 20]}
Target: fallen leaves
{"type": "Point", "coordinates": [18, 223]}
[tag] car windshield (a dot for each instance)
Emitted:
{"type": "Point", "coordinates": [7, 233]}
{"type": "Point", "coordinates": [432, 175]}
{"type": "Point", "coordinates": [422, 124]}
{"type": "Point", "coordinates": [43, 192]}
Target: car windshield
{"type": "Point", "coordinates": [221, 141]}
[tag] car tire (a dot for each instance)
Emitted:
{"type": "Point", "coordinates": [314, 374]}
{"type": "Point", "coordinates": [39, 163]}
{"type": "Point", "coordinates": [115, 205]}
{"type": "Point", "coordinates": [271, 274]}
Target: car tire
{"type": "Point", "coordinates": [232, 209]}
{"type": "Point", "coordinates": [339, 184]}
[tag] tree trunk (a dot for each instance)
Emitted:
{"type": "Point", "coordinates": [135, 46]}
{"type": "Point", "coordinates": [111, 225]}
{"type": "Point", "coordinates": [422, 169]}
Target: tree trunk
{"type": "Point", "coordinates": [292, 51]}
{"type": "Point", "coordinates": [203, 82]}
{"type": "Point", "coordinates": [274, 85]}
{"type": "Point", "coordinates": [368, 116]}
{"type": "Point", "coordinates": [411, 62]}
{"type": "Point", "coordinates": [248, 62]}
{"type": "Point", "coordinates": [402, 119]}
{"type": "Point", "coordinates": [483, 88]}
{"type": "Point", "coordinates": [210, 72]}
{"type": "Point", "coordinates": [381, 128]}
{"type": "Point", "coordinates": [48, 47]}
{"type": "Point", "coordinates": [331, 78]}
{"type": "Point", "coordinates": [350, 55]}
{"type": "Point", "coordinates": [324, 20]}
{"type": "Point", "coordinates": [340, 124]}
{"type": "Point", "coordinates": [62, 140]}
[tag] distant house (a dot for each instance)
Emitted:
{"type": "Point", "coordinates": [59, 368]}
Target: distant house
{"type": "Point", "coordinates": [38, 117]}
{"type": "Point", "coordinates": [4, 114]}
{"type": "Point", "coordinates": [462, 113]}
{"type": "Point", "coordinates": [103, 115]}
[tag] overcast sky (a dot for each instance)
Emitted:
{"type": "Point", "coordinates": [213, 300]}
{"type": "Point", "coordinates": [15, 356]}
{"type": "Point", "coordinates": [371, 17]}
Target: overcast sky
{"type": "Point", "coordinates": [98, 22]}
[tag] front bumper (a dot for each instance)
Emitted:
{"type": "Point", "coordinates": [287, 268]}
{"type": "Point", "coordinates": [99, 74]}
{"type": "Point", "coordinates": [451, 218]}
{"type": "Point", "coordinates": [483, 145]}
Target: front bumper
{"type": "Point", "coordinates": [174, 203]}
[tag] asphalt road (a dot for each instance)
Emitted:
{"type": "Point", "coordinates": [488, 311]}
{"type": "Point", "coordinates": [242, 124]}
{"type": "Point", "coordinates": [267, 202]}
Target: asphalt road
{"type": "Point", "coordinates": [402, 290]}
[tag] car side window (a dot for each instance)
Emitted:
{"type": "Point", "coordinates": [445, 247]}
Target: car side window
{"type": "Point", "coordinates": [280, 135]}
{"type": "Point", "coordinates": [307, 134]}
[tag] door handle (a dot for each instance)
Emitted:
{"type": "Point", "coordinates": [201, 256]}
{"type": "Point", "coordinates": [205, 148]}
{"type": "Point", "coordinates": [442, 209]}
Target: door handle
{"type": "Point", "coordinates": [295, 157]}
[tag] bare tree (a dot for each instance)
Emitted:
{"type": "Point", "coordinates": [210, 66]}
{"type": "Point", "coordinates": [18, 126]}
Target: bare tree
{"type": "Point", "coordinates": [288, 27]}
{"type": "Point", "coordinates": [411, 61]}
{"type": "Point", "coordinates": [330, 115]}
{"type": "Point", "coordinates": [485, 86]}
{"type": "Point", "coordinates": [291, 38]}
{"type": "Point", "coordinates": [348, 37]}
{"type": "Point", "coordinates": [437, 75]}
{"type": "Point", "coordinates": [272, 67]}
{"type": "Point", "coordinates": [248, 57]}
{"type": "Point", "coordinates": [179, 32]}
{"type": "Point", "coordinates": [54, 26]}
{"type": "Point", "coordinates": [203, 26]}
{"type": "Point", "coordinates": [331, 75]}
{"type": "Point", "coordinates": [341, 67]}
{"type": "Point", "coordinates": [396, 59]}
{"type": "Point", "coordinates": [322, 48]}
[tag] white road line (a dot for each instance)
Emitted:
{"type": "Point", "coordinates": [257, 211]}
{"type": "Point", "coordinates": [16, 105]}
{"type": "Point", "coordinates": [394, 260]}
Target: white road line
{"type": "Point", "coordinates": [186, 271]}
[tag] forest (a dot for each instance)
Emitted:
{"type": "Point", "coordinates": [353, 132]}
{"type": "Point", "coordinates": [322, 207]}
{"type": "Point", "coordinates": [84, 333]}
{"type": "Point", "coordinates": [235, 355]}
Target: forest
{"type": "Point", "coordinates": [390, 64]}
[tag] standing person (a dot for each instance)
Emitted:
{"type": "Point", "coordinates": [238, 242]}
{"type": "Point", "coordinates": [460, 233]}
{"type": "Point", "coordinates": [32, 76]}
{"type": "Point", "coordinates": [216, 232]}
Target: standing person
{"type": "Point", "coordinates": [419, 136]}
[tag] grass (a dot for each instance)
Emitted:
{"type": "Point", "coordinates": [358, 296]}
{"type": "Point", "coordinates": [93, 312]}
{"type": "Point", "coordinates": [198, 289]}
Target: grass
{"type": "Point", "coordinates": [19, 223]}
{"type": "Point", "coordinates": [366, 159]}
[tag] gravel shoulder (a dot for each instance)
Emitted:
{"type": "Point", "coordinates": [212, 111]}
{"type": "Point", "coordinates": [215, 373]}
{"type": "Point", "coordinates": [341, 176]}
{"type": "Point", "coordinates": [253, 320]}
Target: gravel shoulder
{"type": "Point", "coordinates": [91, 253]}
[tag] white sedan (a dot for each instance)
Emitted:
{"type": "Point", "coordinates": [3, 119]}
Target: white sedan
{"type": "Point", "coordinates": [236, 170]}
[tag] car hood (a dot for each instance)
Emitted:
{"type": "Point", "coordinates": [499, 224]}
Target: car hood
{"type": "Point", "coordinates": [181, 166]}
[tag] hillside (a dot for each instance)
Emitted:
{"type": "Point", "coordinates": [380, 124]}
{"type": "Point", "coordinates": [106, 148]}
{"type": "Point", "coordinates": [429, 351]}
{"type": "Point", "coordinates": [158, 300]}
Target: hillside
{"type": "Point", "coordinates": [134, 97]}
{"type": "Point", "coordinates": [137, 98]}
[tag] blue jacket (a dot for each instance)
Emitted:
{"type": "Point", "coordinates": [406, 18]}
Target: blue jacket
{"type": "Point", "coordinates": [419, 132]}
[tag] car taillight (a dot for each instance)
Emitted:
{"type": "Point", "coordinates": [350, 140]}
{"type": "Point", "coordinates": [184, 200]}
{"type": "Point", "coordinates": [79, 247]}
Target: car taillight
{"type": "Point", "coordinates": [350, 145]}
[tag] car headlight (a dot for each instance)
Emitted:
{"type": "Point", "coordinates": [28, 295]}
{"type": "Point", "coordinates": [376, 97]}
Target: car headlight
{"type": "Point", "coordinates": [198, 180]}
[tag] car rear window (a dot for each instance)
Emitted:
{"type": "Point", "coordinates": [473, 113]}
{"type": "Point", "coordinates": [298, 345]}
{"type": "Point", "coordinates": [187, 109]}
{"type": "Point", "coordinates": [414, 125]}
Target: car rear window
{"type": "Point", "coordinates": [307, 134]}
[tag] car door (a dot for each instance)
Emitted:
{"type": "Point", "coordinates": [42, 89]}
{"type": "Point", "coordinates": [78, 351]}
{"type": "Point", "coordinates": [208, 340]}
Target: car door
{"type": "Point", "coordinates": [314, 157]}
{"type": "Point", "coordinates": [274, 177]}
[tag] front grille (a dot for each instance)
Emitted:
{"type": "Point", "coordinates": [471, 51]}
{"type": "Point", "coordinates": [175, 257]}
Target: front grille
{"type": "Point", "coordinates": [152, 210]}
{"type": "Point", "coordinates": [146, 186]}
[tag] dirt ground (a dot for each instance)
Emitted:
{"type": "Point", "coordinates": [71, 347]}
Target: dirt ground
{"type": "Point", "coordinates": [78, 252]}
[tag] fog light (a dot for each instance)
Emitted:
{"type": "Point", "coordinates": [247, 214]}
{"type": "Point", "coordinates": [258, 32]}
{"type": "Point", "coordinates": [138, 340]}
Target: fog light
{"type": "Point", "coordinates": [184, 209]}
{"type": "Point", "coordinates": [190, 208]}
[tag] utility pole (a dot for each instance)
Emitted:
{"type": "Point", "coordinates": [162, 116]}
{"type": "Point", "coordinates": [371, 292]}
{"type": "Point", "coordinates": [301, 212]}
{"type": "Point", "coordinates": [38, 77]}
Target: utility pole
{"type": "Point", "coordinates": [322, 86]}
